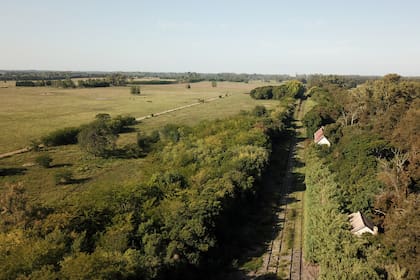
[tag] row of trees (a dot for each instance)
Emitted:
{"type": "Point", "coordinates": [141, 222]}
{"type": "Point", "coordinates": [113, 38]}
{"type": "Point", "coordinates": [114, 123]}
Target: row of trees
{"type": "Point", "coordinates": [110, 80]}
{"type": "Point", "coordinates": [374, 162]}
{"type": "Point", "coordinates": [328, 240]}
{"type": "Point", "coordinates": [67, 83]}
{"type": "Point", "coordinates": [291, 88]}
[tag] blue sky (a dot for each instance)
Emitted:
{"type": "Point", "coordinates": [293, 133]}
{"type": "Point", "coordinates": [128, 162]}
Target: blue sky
{"type": "Point", "coordinates": [343, 37]}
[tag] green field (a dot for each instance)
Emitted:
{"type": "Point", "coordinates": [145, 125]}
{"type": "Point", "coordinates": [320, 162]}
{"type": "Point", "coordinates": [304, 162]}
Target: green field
{"type": "Point", "coordinates": [29, 113]}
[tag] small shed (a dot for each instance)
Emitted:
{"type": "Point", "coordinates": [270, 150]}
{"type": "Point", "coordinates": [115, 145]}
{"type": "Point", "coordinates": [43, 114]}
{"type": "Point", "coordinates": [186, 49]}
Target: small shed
{"type": "Point", "coordinates": [320, 139]}
{"type": "Point", "coordinates": [360, 224]}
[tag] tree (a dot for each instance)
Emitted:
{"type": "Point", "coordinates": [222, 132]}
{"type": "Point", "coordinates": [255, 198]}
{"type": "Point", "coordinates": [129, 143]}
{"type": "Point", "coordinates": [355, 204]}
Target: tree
{"type": "Point", "coordinates": [213, 84]}
{"type": "Point", "coordinates": [97, 138]}
{"type": "Point", "coordinates": [135, 90]}
{"type": "Point", "coordinates": [259, 111]}
{"type": "Point", "coordinates": [354, 103]}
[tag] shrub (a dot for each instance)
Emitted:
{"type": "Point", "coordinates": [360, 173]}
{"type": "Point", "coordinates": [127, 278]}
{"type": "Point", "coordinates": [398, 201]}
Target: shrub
{"type": "Point", "coordinates": [120, 123]}
{"type": "Point", "coordinates": [145, 142]}
{"type": "Point", "coordinates": [97, 138]}
{"type": "Point", "coordinates": [170, 132]}
{"type": "Point", "coordinates": [63, 177]}
{"type": "Point", "coordinates": [259, 111]}
{"type": "Point", "coordinates": [64, 136]}
{"type": "Point", "coordinates": [44, 160]}
{"type": "Point", "coordinates": [135, 90]}
{"type": "Point", "coordinates": [132, 151]}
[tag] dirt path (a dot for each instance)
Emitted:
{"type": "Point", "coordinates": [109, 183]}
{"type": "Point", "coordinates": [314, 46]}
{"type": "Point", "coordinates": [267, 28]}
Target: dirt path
{"type": "Point", "coordinates": [27, 149]}
{"type": "Point", "coordinates": [283, 258]}
{"type": "Point", "coordinates": [20, 151]}
{"type": "Point", "coordinates": [176, 109]}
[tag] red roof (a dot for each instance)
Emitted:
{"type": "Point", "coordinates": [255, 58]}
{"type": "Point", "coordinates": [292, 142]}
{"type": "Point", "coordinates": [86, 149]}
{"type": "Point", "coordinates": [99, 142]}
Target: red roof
{"type": "Point", "coordinates": [319, 134]}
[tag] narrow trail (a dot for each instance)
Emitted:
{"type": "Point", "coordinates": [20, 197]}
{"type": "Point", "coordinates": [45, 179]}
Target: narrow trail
{"type": "Point", "coordinates": [284, 258]}
{"type": "Point", "coordinates": [27, 149]}
{"type": "Point", "coordinates": [176, 109]}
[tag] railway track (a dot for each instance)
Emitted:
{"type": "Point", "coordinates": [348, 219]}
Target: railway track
{"type": "Point", "coordinates": [284, 254]}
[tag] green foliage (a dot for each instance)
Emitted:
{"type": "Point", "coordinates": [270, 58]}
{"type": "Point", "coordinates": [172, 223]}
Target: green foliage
{"type": "Point", "coordinates": [64, 136]}
{"type": "Point", "coordinates": [176, 220]}
{"type": "Point", "coordinates": [145, 142]}
{"type": "Point", "coordinates": [291, 88]}
{"type": "Point", "coordinates": [262, 92]}
{"type": "Point", "coordinates": [120, 124]}
{"type": "Point", "coordinates": [365, 172]}
{"type": "Point", "coordinates": [328, 240]}
{"type": "Point", "coordinates": [93, 83]}
{"type": "Point", "coordinates": [97, 138]}
{"type": "Point", "coordinates": [355, 168]}
{"type": "Point", "coordinates": [43, 160]}
{"type": "Point", "coordinates": [170, 132]}
{"type": "Point", "coordinates": [70, 135]}
{"type": "Point", "coordinates": [26, 83]}
{"type": "Point", "coordinates": [67, 83]}
{"type": "Point", "coordinates": [213, 84]}
{"type": "Point", "coordinates": [13, 205]}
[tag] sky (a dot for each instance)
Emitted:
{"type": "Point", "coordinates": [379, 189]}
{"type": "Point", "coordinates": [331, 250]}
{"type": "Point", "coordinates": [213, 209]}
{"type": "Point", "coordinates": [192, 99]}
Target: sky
{"type": "Point", "coordinates": [272, 37]}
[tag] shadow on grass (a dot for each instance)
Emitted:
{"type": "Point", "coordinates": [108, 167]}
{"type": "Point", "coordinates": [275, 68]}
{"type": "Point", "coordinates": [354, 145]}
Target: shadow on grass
{"type": "Point", "coordinates": [12, 171]}
{"type": "Point", "coordinates": [73, 181]}
{"type": "Point", "coordinates": [127, 153]}
{"type": "Point", "coordinates": [61, 165]}
{"type": "Point", "coordinates": [80, 180]}
{"type": "Point", "coordinates": [268, 276]}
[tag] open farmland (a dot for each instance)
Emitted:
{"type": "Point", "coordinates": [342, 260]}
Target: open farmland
{"type": "Point", "coordinates": [29, 113]}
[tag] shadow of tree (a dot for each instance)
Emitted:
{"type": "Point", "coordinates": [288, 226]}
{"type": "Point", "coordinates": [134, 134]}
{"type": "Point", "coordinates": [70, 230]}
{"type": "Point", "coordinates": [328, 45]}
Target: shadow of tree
{"type": "Point", "coordinates": [61, 165]}
{"type": "Point", "coordinates": [12, 171]}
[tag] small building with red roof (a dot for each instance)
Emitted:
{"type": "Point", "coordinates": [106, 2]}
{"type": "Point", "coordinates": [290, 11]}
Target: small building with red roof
{"type": "Point", "coordinates": [320, 139]}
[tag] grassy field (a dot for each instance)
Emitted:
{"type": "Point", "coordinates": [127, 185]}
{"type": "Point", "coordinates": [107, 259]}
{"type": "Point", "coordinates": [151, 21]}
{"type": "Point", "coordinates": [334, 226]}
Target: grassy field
{"type": "Point", "coordinates": [29, 113]}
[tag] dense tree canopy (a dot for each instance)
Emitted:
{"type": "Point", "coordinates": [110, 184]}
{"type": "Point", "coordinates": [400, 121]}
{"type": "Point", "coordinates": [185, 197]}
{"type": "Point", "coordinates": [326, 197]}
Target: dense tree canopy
{"type": "Point", "coordinates": [291, 88]}
{"type": "Point", "coordinates": [373, 166]}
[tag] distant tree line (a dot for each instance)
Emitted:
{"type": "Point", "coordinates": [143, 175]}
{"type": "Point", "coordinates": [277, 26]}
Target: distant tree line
{"type": "Point", "coordinates": [111, 80]}
{"type": "Point", "coordinates": [46, 75]}
{"type": "Point", "coordinates": [27, 83]}
{"type": "Point", "coordinates": [153, 82]}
